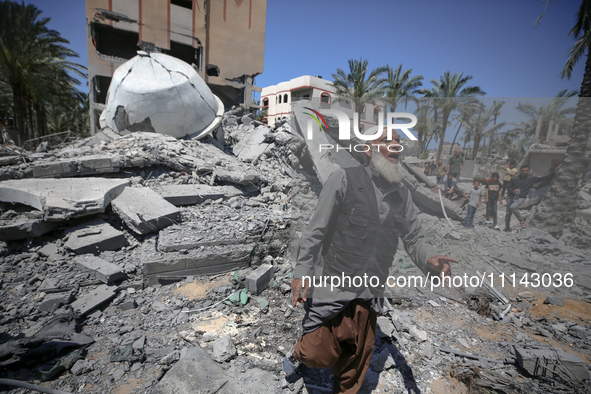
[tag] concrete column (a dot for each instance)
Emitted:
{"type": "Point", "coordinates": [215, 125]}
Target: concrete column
{"type": "Point", "coordinates": [539, 128]}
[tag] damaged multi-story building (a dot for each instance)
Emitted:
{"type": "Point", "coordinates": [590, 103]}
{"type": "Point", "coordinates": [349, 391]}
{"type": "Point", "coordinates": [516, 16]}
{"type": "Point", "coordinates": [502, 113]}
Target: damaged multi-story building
{"type": "Point", "coordinates": [224, 41]}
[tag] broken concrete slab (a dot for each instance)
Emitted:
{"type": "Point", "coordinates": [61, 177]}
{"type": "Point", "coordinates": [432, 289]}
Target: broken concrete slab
{"type": "Point", "coordinates": [83, 165]}
{"type": "Point", "coordinates": [25, 225]}
{"type": "Point", "coordinates": [194, 235]}
{"type": "Point", "coordinates": [252, 144]}
{"type": "Point", "coordinates": [224, 349]}
{"type": "Point", "coordinates": [179, 195]}
{"type": "Point", "coordinates": [543, 361]}
{"type": "Point", "coordinates": [258, 279]}
{"type": "Point", "coordinates": [159, 266]}
{"type": "Point", "coordinates": [93, 237]}
{"type": "Point", "coordinates": [94, 299]}
{"type": "Point", "coordinates": [100, 269]}
{"type": "Point", "coordinates": [325, 161]}
{"type": "Point", "coordinates": [144, 210]}
{"type": "Point", "coordinates": [196, 372]}
{"type": "Point", "coordinates": [180, 102]}
{"type": "Point", "coordinates": [62, 199]}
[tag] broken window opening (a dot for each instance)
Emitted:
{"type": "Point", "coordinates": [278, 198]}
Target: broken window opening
{"type": "Point", "coordinates": [285, 98]}
{"type": "Point", "coordinates": [325, 98]}
{"type": "Point", "coordinates": [212, 70]}
{"type": "Point", "coordinates": [100, 86]}
{"type": "Point", "coordinates": [186, 53]}
{"type": "Point", "coordinates": [279, 98]}
{"type": "Point", "coordinates": [114, 42]}
{"type": "Point", "coordinates": [265, 102]}
{"type": "Point", "coordinates": [183, 3]}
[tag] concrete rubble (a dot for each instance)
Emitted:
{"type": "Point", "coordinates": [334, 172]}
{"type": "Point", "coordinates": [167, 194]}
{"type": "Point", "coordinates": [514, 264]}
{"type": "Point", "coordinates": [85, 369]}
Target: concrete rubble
{"type": "Point", "coordinates": [167, 268]}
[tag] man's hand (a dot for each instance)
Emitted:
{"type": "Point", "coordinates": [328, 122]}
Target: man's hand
{"type": "Point", "coordinates": [439, 265]}
{"type": "Point", "coordinates": [296, 289]}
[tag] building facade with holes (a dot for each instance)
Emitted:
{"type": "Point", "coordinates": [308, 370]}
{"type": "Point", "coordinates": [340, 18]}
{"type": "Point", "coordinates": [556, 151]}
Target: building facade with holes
{"type": "Point", "coordinates": [278, 99]}
{"type": "Point", "coordinates": [224, 40]}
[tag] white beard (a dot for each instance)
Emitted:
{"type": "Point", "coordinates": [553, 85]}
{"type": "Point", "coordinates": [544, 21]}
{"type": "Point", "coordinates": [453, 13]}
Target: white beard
{"type": "Point", "coordinates": [391, 172]}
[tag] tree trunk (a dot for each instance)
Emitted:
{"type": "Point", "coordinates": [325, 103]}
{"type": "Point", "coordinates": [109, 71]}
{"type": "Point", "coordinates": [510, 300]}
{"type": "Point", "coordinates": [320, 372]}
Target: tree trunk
{"type": "Point", "coordinates": [476, 147]}
{"type": "Point", "coordinates": [19, 116]}
{"type": "Point", "coordinates": [455, 136]}
{"type": "Point", "coordinates": [559, 206]}
{"type": "Point", "coordinates": [442, 137]}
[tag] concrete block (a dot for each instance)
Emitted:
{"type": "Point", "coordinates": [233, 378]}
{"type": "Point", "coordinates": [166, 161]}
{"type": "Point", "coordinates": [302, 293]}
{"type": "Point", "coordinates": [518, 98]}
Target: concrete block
{"type": "Point", "coordinates": [144, 210]}
{"type": "Point", "coordinates": [194, 194]}
{"type": "Point", "coordinates": [98, 164]}
{"type": "Point", "coordinates": [94, 236]}
{"type": "Point", "coordinates": [541, 362]}
{"type": "Point", "coordinates": [53, 301]}
{"type": "Point", "coordinates": [209, 260]}
{"type": "Point", "coordinates": [235, 177]}
{"type": "Point", "coordinates": [100, 269]}
{"type": "Point", "coordinates": [94, 299]}
{"type": "Point", "coordinates": [61, 199]}
{"type": "Point", "coordinates": [258, 279]}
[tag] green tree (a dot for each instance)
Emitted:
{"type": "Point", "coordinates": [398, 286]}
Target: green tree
{"type": "Point", "coordinates": [358, 86]}
{"type": "Point", "coordinates": [400, 86]}
{"type": "Point", "coordinates": [34, 64]}
{"type": "Point", "coordinates": [559, 206]}
{"type": "Point", "coordinates": [425, 126]}
{"type": "Point", "coordinates": [480, 126]}
{"type": "Point", "coordinates": [447, 90]}
{"type": "Point", "coordinates": [466, 109]}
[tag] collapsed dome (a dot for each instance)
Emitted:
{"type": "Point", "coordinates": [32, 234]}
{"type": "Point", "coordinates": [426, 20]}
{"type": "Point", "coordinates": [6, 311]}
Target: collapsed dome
{"type": "Point", "coordinates": [160, 93]}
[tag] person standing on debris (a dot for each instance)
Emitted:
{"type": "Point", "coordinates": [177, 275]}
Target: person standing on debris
{"type": "Point", "coordinates": [456, 165]}
{"type": "Point", "coordinates": [520, 186]}
{"type": "Point", "coordinates": [493, 194]}
{"type": "Point", "coordinates": [474, 197]}
{"type": "Point", "coordinates": [510, 172]}
{"type": "Point", "coordinates": [354, 231]}
{"type": "Point", "coordinates": [440, 171]}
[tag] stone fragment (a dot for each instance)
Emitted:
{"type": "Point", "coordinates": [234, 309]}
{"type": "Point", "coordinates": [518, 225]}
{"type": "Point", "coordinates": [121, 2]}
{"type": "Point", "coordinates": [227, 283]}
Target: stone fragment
{"type": "Point", "coordinates": [93, 237]}
{"type": "Point", "coordinates": [258, 279]}
{"type": "Point", "coordinates": [235, 177]}
{"type": "Point", "coordinates": [94, 299]}
{"type": "Point", "coordinates": [127, 305]}
{"type": "Point", "coordinates": [179, 195]}
{"type": "Point", "coordinates": [554, 301]}
{"type": "Point", "coordinates": [144, 210]}
{"type": "Point", "coordinates": [224, 349]}
{"type": "Point", "coordinates": [53, 301]}
{"type": "Point", "coordinates": [100, 269]}
{"type": "Point", "coordinates": [49, 249]}
{"type": "Point", "coordinates": [386, 328]}
{"type": "Point", "coordinates": [81, 367]}
{"type": "Point", "coordinates": [252, 144]}
{"type": "Point", "coordinates": [543, 361]}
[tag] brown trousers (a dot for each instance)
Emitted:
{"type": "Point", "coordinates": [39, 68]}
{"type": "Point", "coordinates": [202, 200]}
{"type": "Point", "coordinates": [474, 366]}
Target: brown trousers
{"type": "Point", "coordinates": [345, 344]}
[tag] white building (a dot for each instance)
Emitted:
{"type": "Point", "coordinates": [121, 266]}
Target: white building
{"type": "Point", "coordinates": [278, 99]}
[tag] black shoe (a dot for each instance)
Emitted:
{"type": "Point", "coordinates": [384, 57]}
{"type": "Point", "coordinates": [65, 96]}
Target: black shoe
{"type": "Point", "coordinates": [507, 229]}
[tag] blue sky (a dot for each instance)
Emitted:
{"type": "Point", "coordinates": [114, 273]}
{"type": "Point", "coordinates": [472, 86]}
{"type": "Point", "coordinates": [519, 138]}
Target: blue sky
{"type": "Point", "coordinates": [496, 42]}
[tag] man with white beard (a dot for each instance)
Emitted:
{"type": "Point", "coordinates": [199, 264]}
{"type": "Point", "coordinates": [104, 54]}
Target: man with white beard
{"type": "Point", "coordinates": [360, 216]}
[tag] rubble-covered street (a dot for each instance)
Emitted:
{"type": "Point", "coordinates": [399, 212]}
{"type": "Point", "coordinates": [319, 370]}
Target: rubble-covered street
{"type": "Point", "coordinates": [146, 264]}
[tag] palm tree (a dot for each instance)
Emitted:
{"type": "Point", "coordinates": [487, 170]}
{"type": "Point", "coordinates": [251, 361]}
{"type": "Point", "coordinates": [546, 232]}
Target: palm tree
{"type": "Point", "coordinates": [564, 190]}
{"type": "Point", "coordinates": [33, 63]}
{"type": "Point", "coordinates": [480, 127]}
{"type": "Point", "coordinates": [400, 86]}
{"type": "Point", "coordinates": [448, 89]}
{"type": "Point", "coordinates": [425, 126]}
{"type": "Point", "coordinates": [552, 113]}
{"type": "Point", "coordinates": [359, 87]}
{"type": "Point", "coordinates": [467, 108]}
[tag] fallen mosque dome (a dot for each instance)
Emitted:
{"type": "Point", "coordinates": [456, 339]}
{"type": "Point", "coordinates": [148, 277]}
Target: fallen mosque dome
{"type": "Point", "coordinates": [160, 93]}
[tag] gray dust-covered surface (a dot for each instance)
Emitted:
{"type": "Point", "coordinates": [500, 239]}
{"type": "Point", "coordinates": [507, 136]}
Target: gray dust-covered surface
{"type": "Point", "coordinates": [170, 310]}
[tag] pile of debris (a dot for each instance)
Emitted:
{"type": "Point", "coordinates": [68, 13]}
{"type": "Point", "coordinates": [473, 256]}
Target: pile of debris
{"type": "Point", "coordinates": [143, 263]}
